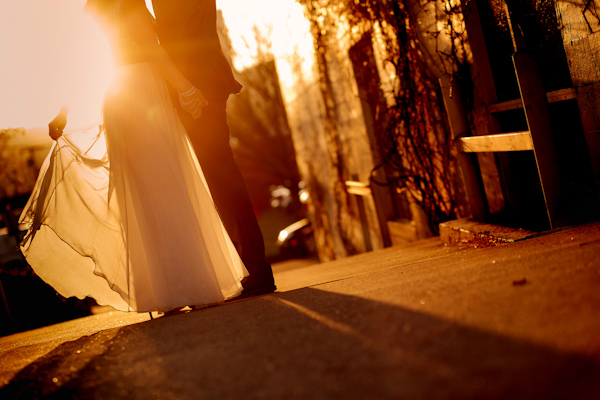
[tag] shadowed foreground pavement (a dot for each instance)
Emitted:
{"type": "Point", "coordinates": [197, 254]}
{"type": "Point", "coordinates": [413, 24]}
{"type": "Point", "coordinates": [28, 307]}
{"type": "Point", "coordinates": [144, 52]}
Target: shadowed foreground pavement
{"type": "Point", "coordinates": [424, 321]}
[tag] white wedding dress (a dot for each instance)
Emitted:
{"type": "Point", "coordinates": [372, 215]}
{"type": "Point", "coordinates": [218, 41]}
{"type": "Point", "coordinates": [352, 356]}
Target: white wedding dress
{"type": "Point", "coordinates": [125, 216]}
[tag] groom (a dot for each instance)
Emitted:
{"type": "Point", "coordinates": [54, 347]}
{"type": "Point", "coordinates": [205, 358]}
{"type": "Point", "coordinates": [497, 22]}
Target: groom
{"type": "Point", "coordinates": [187, 29]}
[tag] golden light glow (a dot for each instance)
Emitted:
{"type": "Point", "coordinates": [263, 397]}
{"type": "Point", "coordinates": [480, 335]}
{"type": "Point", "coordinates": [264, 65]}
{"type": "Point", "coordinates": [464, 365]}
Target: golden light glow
{"type": "Point", "coordinates": [53, 54]}
{"type": "Point", "coordinates": [288, 30]}
{"type": "Point", "coordinates": [281, 20]}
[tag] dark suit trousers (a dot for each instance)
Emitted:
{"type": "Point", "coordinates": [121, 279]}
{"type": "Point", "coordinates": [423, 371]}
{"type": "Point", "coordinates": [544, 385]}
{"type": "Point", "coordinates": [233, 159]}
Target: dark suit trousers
{"type": "Point", "coordinates": [209, 136]}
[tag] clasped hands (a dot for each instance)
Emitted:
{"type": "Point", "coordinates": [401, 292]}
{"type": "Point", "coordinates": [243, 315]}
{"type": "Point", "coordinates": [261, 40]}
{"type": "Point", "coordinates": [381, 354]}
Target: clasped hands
{"type": "Point", "coordinates": [193, 101]}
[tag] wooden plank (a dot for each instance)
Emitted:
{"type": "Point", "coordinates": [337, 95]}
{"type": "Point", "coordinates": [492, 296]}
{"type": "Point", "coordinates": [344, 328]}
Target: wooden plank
{"type": "Point", "coordinates": [359, 191]}
{"type": "Point", "coordinates": [505, 106]}
{"type": "Point", "coordinates": [357, 184]}
{"type": "Point", "coordinates": [358, 188]}
{"type": "Point", "coordinates": [561, 95]}
{"type": "Point", "coordinates": [517, 141]}
{"type": "Point", "coordinates": [557, 95]}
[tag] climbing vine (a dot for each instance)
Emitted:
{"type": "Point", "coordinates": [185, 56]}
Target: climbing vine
{"type": "Point", "coordinates": [414, 138]}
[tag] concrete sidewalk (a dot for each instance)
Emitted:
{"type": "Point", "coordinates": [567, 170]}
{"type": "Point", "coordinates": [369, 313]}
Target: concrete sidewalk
{"type": "Point", "coordinates": [424, 321]}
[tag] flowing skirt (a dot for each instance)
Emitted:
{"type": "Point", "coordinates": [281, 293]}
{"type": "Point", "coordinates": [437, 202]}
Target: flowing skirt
{"type": "Point", "coordinates": [125, 215]}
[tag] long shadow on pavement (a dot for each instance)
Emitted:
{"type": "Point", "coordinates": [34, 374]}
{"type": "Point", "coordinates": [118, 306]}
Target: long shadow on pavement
{"type": "Point", "coordinates": [305, 344]}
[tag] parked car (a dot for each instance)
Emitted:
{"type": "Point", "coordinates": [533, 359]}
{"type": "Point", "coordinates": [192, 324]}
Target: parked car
{"type": "Point", "coordinates": [296, 240]}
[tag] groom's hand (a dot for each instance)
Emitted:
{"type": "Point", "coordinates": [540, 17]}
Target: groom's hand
{"type": "Point", "coordinates": [193, 103]}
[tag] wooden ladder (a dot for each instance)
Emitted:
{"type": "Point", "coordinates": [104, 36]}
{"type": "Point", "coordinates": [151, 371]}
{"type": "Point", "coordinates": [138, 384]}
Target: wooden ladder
{"type": "Point", "coordinates": [538, 138]}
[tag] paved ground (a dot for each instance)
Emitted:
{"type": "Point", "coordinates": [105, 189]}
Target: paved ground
{"type": "Point", "coordinates": [424, 321]}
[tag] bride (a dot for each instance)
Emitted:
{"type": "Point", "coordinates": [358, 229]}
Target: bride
{"type": "Point", "coordinates": [124, 215]}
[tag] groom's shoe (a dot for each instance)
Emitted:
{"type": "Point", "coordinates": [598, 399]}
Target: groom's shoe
{"type": "Point", "coordinates": [256, 287]}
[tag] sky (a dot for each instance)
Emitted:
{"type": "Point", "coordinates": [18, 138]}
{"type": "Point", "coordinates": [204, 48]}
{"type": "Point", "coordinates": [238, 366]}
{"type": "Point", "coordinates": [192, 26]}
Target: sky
{"type": "Point", "coordinates": [51, 53]}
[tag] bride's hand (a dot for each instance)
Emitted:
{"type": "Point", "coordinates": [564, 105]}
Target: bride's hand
{"type": "Point", "coordinates": [193, 101]}
{"type": "Point", "coordinates": [57, 125]}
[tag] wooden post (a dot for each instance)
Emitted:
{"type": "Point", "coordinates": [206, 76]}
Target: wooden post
{"type": "Point", "coordinates": [489, 95]}
{"type": "Point", "coordinates": [535, 104]}
{"type": "Point", "coordinates": [374, 108]}
{"type": "Point", "coordinates": [469, 166]}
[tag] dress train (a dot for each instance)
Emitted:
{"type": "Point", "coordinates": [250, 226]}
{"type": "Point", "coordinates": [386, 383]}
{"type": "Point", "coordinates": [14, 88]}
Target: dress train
{"type": "Point", "coordinates": [125, 215]}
